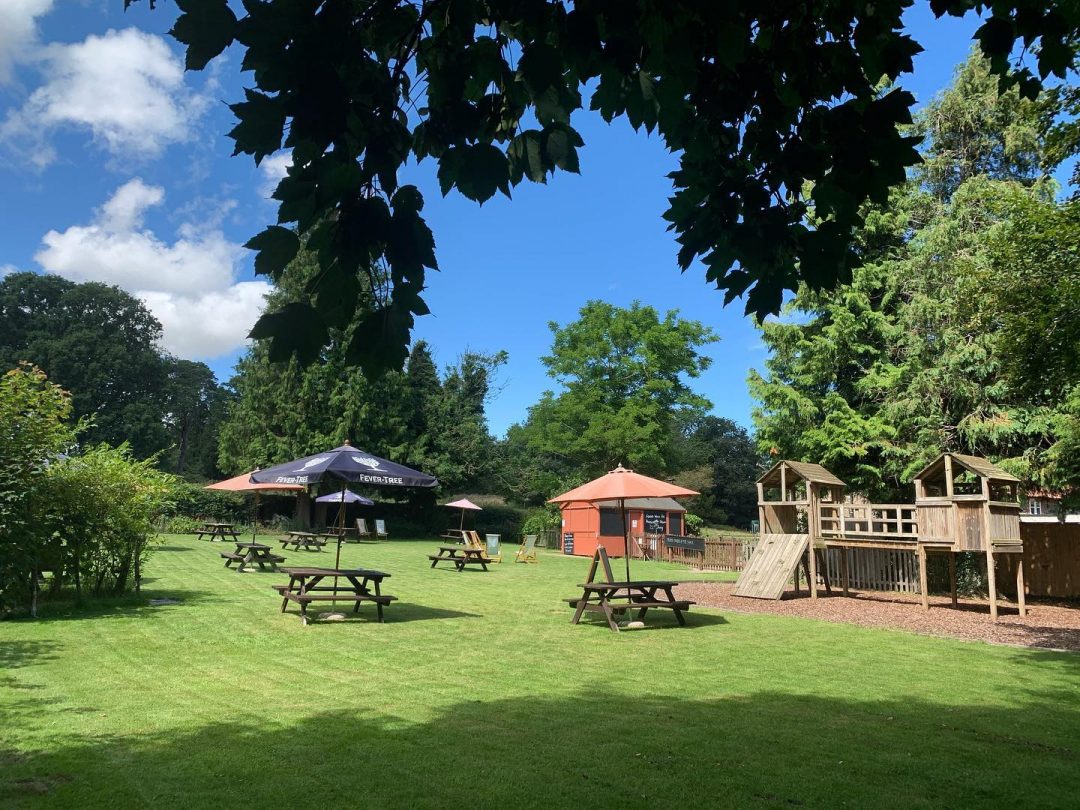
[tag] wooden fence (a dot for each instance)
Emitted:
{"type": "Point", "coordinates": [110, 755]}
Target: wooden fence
{"type": "Point", "coordinates": [720, 554]}
{"type": "Point", "coordinates": [873, 569]}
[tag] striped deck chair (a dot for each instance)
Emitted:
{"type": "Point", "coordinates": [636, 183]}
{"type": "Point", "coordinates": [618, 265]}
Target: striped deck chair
{"type": "Point", "coordinates": [527, 552]}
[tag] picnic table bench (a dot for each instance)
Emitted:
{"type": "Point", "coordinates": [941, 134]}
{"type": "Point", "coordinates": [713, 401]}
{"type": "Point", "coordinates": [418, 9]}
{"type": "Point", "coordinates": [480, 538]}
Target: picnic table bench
{"type": "Point", "coordinates": [305, 586]}
{"type": "Point", "coordinates": [460, 556]}
{"type": "Point", "coordinates": [249, 553]}
{"type": "Point", "coordinates": [309, 540]}
{"type": "Point", "coordinates": [610, 598]}
{"type": "Point", "coordinates": [218, 530]}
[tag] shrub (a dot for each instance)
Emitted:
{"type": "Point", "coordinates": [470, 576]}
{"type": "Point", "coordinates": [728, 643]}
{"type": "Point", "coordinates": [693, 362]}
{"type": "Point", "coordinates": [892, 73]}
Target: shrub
{"type": "Point", "coordinates": [33, 434]}
{"type": "Point", "coordinates": [101, 509]}
{"type": "Point", "coordinates": [542, 519]}
{"type": "Point", "coordinates": [694, 524]}
{"type": "Point", "coordinates": [198, 503]}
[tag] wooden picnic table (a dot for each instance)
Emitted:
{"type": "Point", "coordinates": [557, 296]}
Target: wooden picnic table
{"type": "Point", "coordinates": [610, 598]}
{"type": "Point", "coordinates": [309, 540]}
{"type": "Point", "coordinates": [460, 556]}
{"type": "Point", "coordinates": [218, 530]}
{"type": "Point", "coordinates": [361, 585]}
{"type": "Point", "coordinates": [454, 534]}
{"type": "Point", "coordinates": [252, 553]}
{"type": "Point", "coordinates": [347, 534]}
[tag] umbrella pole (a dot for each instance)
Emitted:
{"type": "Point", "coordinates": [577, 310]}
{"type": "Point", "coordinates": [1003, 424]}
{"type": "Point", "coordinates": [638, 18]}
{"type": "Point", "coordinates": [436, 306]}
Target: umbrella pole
{"type": "Point", "coordinates": [255, 521]}
{"type": "Point", "coordinates": [341, 529]}
{"type": "Point", "coordinates": [625, 536]}
{"type": "Point", "coordinates": [461, 526]}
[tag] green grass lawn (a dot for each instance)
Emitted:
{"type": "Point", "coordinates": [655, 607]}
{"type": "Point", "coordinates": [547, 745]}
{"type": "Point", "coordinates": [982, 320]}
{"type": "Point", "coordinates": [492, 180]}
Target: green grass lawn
{"type": "Point", "coordinates": [478, 692]}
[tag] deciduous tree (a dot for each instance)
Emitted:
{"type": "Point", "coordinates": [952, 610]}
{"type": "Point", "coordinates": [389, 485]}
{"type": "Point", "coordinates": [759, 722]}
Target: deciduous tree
{"type": "Point", "coordinates": [772, 108]}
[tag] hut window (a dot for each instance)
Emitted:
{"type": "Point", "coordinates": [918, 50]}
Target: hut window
{"type": "Point", "coordinates": [675, 522]}
{"type": "Point", "coordinates": [611, 524]}
{"type": "Point", "coordinates": [1035, 507]}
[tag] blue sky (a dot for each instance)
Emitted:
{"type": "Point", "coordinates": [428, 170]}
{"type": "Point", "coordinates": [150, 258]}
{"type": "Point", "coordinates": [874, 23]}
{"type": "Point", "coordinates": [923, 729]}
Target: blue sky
{"type": "Point", "coordinates": [116, 168]}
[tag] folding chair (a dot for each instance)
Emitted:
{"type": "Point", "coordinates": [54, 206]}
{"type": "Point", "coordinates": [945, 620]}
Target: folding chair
{"type": "Point", "coordinates": [361, 528]}
{"type": "Point", "coordinates": [527, 552]}
{"type": "Point", "coordinates": [380, 529]}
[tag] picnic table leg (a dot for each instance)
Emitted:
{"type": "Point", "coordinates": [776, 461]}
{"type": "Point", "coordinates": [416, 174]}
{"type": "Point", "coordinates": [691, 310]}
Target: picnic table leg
{"type": "Point", "coordinates": [581, 605]}
{"type": "Point", "coordinates": [678, 613]}
{"type": "Point", "coordinates": [606, 605]}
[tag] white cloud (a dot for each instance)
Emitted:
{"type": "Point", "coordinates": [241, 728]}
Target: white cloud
{"type": "Point", "coordinates": [274, 168]}
{"type": "Point", "coordinates": [126, 88]}
{"type": "Point", "coordinates": [190, 284]}
{"type": "Point", "coordinates": [7, 269]}
{"type": "Point", "coordinates": [18, 32]}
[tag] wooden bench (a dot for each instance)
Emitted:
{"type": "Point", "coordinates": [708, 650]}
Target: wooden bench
{"type": "Point", "coordinates": [339, 595]}
{"type": "Point", "coordinates": [230, 557]}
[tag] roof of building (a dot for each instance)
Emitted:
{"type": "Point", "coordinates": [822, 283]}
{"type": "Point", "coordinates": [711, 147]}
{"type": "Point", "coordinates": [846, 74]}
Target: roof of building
{"type": "Point", "coordinates": [659, 504]}
{"type": "Point", "coordinates": [814, 473]}
{"type": "Point", "coordinates": [975, 464]}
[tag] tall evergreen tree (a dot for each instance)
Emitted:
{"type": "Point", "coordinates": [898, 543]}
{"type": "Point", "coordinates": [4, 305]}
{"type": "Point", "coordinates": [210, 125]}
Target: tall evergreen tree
{"type": "Point", "coordinates": [876, 378]}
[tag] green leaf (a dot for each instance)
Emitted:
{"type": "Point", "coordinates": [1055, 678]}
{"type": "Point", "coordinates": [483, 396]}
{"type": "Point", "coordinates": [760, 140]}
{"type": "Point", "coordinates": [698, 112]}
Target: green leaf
{"type": "Point", "coordinates": [541, 67]}
{"type": "Point", "coordinates": [482, 171]}
{"type": "Point", "coordinates": [560, 145]}
{"type": "Point", "coordinates": [380, 341]}
{"type": "Point", "coordinates": [526, 158]}
{"type": "Point", "coordinates": [262, 119]}
{"type": "Point", "coordinates": [295, 329]}
{"type": "Point", "coordinates": [277, 247]}
{"type": "Point", "coordinates": [207, 28]}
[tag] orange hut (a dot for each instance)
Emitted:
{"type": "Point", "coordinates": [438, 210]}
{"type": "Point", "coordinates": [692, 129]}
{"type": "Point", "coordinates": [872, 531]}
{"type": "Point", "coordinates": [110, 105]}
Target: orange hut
{"type": "Point", "coordinates": [585, 510]}
{"type": "Point", "coordinates": [594, 524]}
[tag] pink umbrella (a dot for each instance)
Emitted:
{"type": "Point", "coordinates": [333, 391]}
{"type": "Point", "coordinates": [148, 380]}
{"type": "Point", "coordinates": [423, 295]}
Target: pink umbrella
{"type": "Point", "coordinates": [463, 504]}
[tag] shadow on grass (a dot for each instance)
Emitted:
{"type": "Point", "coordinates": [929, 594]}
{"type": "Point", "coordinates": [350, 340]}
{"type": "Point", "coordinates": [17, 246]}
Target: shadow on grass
{"type": "Point", "coordinates": [770, 749]}
{"type": "Point", "coordinates": [15, 654]}
{"type": "Point", "coordinates": [127, 606]}
{"type": "Point", "coordinates": [397, 613]}
{"type": "Point", "coordinates": [655, 619]}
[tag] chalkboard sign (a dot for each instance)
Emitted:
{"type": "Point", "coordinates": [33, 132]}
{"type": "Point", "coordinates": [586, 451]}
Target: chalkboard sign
{"type": "Point", "coordinates": [568, 543]}
{"type": "Point", "coordinates": [655, 522]}
{"type": "Point", "coordinates": [692, 543]}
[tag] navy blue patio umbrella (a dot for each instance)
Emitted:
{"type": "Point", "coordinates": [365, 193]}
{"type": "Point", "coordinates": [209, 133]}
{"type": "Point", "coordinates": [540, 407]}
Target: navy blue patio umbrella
{"type": "Point", "coordinates": [346, 496]}
{"type": "Point", "coordinates": [346, 464]}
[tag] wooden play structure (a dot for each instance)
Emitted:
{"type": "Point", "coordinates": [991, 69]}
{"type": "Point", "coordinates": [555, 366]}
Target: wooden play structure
{"type": "Point", "coordinates": [962, 504]}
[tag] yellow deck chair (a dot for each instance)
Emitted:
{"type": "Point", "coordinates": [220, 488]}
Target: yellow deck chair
{"type": "Point", "coordinates": [527, 552]}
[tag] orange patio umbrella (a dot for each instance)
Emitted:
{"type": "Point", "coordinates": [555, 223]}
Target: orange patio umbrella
{"type": "Point", "coordinates": [621, 484]}
{"type": "Point", "coordinates": [242, 483]}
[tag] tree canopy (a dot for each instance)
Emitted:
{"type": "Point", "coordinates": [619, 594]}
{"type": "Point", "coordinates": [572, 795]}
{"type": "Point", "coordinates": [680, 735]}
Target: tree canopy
{"type": "Point", "coordinates": [625, 378]}
{"type": "Point", "coordinates": [418, 417]}
{"type": "Point", "coordinates": [938, 342]}
{"type": "Point", "coordinates": [101, 344]}
{"type": "Point", "coordinates": [773, 109]}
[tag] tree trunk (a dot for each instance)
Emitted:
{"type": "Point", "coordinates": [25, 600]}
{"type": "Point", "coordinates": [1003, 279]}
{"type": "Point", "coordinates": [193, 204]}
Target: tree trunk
{"type": "Point", "coordinates": [78, 575]}
{"type": "Point", "coordinates": [182, 445]}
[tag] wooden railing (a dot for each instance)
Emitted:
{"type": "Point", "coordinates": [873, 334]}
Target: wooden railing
{"type": "Point", "coordinates": [869, 521]}
{"type": "Point", "coordinates": [720, 554]}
